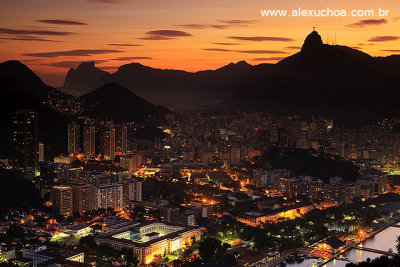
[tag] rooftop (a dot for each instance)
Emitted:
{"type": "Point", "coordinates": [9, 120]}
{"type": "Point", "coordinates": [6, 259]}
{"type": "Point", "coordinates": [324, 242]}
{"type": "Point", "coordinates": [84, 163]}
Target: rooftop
{"type": "Point", "coordinates": [139, 242]}
{"type": "Point", "coordinates": [334, 242]}
{"type": "Point", "coordinates": [77, 227]}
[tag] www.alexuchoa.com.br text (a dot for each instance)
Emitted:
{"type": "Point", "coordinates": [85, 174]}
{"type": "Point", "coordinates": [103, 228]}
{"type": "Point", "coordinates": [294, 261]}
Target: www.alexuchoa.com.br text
{"type": "Point", "coordinates": [327, 12]}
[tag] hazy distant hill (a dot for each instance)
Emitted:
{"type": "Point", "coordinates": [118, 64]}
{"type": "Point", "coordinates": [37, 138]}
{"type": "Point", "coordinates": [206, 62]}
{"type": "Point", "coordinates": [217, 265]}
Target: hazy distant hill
{"type": "Point", "coordinates": [85, 78]}
{"type": "Point", "coordinates": [157, 85]}
{"type": "Point", "coordinates": [329, 80]}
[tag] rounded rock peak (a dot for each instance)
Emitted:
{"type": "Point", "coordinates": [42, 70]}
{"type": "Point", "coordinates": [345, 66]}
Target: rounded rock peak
{"type": "Point", "coordinates": [87, 65]}
{"type": "Point", "coordinates": [312, 42]}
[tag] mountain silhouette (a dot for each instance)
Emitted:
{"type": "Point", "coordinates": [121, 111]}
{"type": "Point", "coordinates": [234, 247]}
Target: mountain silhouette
{"type": "Point", "coordinates": [112, 101]}
{"type": "Point", "coordinates": [335, 81]}
{"type": "Point", "coordinates": [84, 78]}
{"type": "Point", "coordinates": [158, 85]}
{"type": "Point", "coordinates": [15, 70]}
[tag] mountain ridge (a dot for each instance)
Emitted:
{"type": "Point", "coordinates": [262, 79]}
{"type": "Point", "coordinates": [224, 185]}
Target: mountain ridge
{"type": "Point", "coordinates": [161, 85]}
{"type": "Point", "coordinates": [335, 81]}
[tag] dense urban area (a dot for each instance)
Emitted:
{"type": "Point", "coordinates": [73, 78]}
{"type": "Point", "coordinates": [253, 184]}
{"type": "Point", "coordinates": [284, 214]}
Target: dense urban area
{"type": "Point", "coordinates": [107, 178]}
{"type": "Point", "coordinates": [233, 189]}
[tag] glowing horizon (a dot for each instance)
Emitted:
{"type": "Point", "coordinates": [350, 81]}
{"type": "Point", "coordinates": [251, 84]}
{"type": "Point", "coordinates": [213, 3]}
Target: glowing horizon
{"type": "Point", "coordinates": [50, 37]}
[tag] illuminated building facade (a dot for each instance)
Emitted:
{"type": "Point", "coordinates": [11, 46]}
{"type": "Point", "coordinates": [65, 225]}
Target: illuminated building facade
{"type": "Point", "coordinates": [109, 196]}
{"type": "Point", "coordinates": [83, 198]}
{"type": "Point", "coordinates": [41, 152]}
{"type": "Point", "coordinates": [133, 161]}
{"type": "Point", "coordinates": [73, 138]}
{"type": "Point", "coordinates": [257, 219]}
{"type": "Point", "coordinates": [45, 256]}
{"type": "Point", "coordinates": [62, 199]}
{"type": "Point", "coordinates": [151, 239]}
{"type": "Point", "coordinates": [109, 144]}
{"type": "Point", "coordinates": [89, 140]}
{"type": "Point", "coordinates": [121, 139]}
{"type": "Point", "coordinates": [132, 190]}
{"type": "Point", "coordinates": [26, 142]}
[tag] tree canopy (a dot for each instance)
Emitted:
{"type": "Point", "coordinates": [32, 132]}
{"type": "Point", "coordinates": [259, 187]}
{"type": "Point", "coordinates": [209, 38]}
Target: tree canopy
{"type": "Point", "coordinates": [309, 162]}
{"type": "Point", "coordinates": [17, 192]}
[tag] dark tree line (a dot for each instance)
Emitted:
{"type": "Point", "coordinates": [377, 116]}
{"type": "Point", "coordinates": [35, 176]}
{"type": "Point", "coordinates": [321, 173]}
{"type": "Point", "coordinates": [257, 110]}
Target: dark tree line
{"type": "Point", "coordinates": [212, 251]}
{"type": "Point", "coordinates": [309, 162]}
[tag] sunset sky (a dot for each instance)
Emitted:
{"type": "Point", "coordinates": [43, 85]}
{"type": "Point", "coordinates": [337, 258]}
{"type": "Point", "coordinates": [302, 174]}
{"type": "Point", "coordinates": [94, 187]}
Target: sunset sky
{"type": "Point", "coordinates": [50, 36]}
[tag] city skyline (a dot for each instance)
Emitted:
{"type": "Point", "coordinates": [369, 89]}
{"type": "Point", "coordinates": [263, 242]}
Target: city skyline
{"type": "Point", "coordinates": [183, 133]}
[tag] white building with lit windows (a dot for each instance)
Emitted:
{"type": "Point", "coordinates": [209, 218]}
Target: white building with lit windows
{"type": "Point", "coordinates": [110, 196]}
{"type": "Point", "coordinates": [151, 239]}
